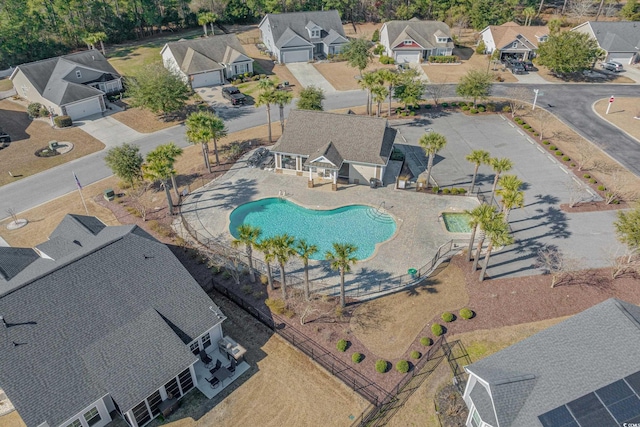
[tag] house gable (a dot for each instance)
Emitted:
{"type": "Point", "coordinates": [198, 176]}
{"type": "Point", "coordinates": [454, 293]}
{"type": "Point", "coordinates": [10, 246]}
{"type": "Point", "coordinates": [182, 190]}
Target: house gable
{"type": "Point", "coordinates": [621, 36]}
{"type": "Point", "coordinates": [415, 35]}
{"type": "Point", "coordinates": [281, 28]}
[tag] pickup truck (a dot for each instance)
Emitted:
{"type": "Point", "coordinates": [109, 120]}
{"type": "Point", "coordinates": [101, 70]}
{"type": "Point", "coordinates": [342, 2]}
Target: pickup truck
{"type": "Point", "coordinates": [233, 94]}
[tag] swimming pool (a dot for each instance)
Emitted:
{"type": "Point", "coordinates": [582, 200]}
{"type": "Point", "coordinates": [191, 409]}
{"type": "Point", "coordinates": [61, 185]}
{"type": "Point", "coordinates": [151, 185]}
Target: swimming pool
{"type": "Point", "coordinates": [456, 222]}
{"type": "Point", "coordinates": [360, 225]}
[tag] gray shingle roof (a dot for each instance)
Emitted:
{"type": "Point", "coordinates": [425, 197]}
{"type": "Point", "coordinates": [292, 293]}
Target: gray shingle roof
{"type": "Point", "coordinates": [422, 32]}
{"type": "Point", "coordinates": [97, 321]}
{"type": "Point", "coordinates": [482, 402]}
{"type": "Point", "coordinates": [356, 138]}
{"type": "Point", "coordinates": [206, 54]}
{"type": "Point", "coordinates": [581, 354]}
{"type": "Point", "coordinates": [617, 36]}
{"type": "Point", "coordinates": [55, 78]}
{"type": "Point", "coordinates": [297, 22]}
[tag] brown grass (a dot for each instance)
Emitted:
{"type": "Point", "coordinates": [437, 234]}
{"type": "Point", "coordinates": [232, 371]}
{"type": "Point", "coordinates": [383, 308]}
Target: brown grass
{"type": "Point", "coordinates": [621, 114]}
{"type": "Point", "coordinates": [388, 332]}
{"type": "Point", "coordinates": [344, 77]}
{"type": "Point", "coordinates": [12, 420]}
{"type": "Point", "coordinates": [143, 121]}
{"type": "Point", "coordinates": [28, 136]}
{"type": "Point", "coordinates": [264, 64]}
{"type": "Point", "coordinates": [6, 84]}
{"type": "Point", "coordinates": [444, 73]}
{"type": "Point", "coordinates": [364, 30]}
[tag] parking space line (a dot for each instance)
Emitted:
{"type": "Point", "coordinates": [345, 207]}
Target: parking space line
{"type": "Point", "coordinates": [502, 117]}
{"type": "Point", "coordinates": [563, 170]}
{"type": "Point", "coordinates": [511, 124]}
{"type": "Point", "coordinates": [591, 192]}
{"type": "Point", "coordinates": [520, 132]}
{"type": "Point", "coordinates": [540, 149]}
{"type": "Point", "coordinates": [576, 180]}
{"type": "Point", "coordinates": [552, 159]}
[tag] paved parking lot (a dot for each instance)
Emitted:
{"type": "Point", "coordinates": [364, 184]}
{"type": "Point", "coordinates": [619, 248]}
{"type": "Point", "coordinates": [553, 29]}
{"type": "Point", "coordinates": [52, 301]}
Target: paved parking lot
{"type": "Point", "coordinates": [583, 236]}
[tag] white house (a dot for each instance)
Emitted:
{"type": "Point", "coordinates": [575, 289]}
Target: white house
{"type": "Point", "coordinates": [513, 40]}
{"type": "Point", "coordinates": [101, 323]}
{"type": "Point", "coordinates": [331, 146]}
{"type": "Point", "coordinates": [415, 40]}
{"type": "Point", "coordinates": [74, 85]}
{"type": "Point", "coordinates": [302, 36]}
{"type": "Point", "coordinates": [620, 40]}
{"type": "Point", "coordinates": [207, 61]}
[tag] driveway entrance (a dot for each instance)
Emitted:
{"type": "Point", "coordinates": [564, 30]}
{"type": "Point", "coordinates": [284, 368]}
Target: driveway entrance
{"type": "Point", "coordinates": [307, 75]}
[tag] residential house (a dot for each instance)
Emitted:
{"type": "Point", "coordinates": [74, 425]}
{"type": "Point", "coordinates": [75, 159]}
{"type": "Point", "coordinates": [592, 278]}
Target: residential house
{"type": "Point", "coordinates": [302, 36]}
{"type": "Point", "coordinates": [74, 85]}
{"type": "Point", "coordinates": [584, 371]}
{"type": "Point", "coordinates": [98, 323]}
{"type": "Point", "coordinates": [415, 40]}
{"type": "Point", "coordinates": [620, 40]}
{"type": "Point", "coordinates": [207, 61]}
{"type": "Point", "coordinates": [513, 40]}
{"type": "Point", "coordinates": [330, 146]}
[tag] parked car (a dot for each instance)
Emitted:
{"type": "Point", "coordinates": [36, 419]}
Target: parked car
{"type": "Point", "coordinates": [614, 66]}
{"type": "Point", "coordinates": [5, 139]}
{"type": "Point", "coordinates": [233, 94]}
{"type": "Point", "coordinates": [517, 68]}
{"type": "Point", "coordinates": [528, 65]}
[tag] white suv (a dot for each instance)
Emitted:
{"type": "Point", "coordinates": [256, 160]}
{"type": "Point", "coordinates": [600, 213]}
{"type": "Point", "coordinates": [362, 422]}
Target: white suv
{"type": "Point", "coordinates": [612, 66]}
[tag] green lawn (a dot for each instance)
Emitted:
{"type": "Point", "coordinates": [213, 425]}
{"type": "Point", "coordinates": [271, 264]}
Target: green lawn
{"type": "Point", "coordinates": [128, 58]}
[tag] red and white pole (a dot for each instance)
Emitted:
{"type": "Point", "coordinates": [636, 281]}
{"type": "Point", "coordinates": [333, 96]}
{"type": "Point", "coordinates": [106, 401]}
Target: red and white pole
{"type": "Point", "coordinates": [610, 102]}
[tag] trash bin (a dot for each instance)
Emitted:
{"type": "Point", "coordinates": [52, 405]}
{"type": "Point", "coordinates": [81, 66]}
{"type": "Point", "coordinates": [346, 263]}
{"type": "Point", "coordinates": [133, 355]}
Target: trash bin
{"type": "Point", "coordinates": [109, 195]}
{"type": "Point", "coordinates": [373, 182]}
{"type": "Point", "coordinates": [413, 273]}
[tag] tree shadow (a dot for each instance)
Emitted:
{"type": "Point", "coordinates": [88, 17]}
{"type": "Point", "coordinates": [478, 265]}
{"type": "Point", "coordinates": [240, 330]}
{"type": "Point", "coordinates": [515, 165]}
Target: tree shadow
{"type": "Point", "coordinates": [15, 123]}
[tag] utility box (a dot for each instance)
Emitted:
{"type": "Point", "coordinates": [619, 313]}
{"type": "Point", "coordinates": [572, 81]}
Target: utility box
{"type": "Point", "coordinates": [109, 194]}
{"type": "Point", "coordinates": [53, 145]}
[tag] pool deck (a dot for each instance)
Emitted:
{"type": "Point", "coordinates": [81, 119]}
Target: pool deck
{"type": "Point", "coordinates": [419, 233]}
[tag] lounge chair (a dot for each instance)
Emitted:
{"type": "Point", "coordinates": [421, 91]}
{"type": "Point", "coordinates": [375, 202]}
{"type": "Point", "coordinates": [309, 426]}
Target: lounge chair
{"type": "Point", "coordinates": [213, 382]}
{"type": "Point", "coordinates": [215, 368]}
{"type": "Point", "coordinates": [204, 357]}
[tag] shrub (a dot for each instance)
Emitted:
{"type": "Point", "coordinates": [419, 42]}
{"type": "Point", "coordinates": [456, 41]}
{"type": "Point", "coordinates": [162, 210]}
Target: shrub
{"type": "Point", "coordinates": [437, 329]}
{"type": "Point", "coordinates": [446, 191]}
{"type": "Point", "coordinates": [536, 134]}
{"type": "Point", "coordinates": [601, 187]}
{"type": "Point", "coordinates": [573, 165]}
{"type": "Point", "coordinates": [482, 109]}
{"type": "Point", "coordinates": [466, 313]}
{"type": "Point", "coordinates": [462, 103]}
{"type": "Point", "coordinates": [226, 275]}
{"type": "Point", "coordinates": [593, 181]}
{"type": "Point", "coordinates": [491, 107]}
{"type": "Point", "coordinates": [263, 76]}
{"type": "Point", "coordinates": [427, 106]}
{"type": "Point", "coordinates": [506, 109]}
{"type": "Point", "coordinates": [415, 354]}
{"type": "Point", "coordinates": [384, 59]}
{"type": "Point", "coordinates": [342, 345]}
{"type": "Point", "coordinates": [531, 130]}
{"type": "Point", "coordinates": [453, 104]}
{"type": "Point", "coordinates": [447, 316]}
{"type": "Point", "coordinates": [236, 82]}
{"type": "Point", "coordinates": [381, 366]}
{"type": "Point", "coordinates": [473, 111]}
{"type": "Point", "coordinates": [247, 290]}
{"type": "Point", "coordinates": [465, 108]}
{"type": "Point", "coordinates": [444, 104]}
{"type": "Point", "coordinates": [462, 191]}
{"type": "Point", "coordinates": [255, 78]}
{"type": "Point", "coordinates": [276, 306]}
{"type": "Point", "coordinates": [378, 50]}
{"type": "Point", "coordinates": [264, 279]}
{"type": "Point", "coordinates": [566, 158]}
{"type": "Point", "coordinates": [553, 148]}
{"type": "Point", "coordinates": [545, 142]}
{"type": "Point", "coordinates": [62, 121]}
{"type": "Point", "coordinates": [426, 341]}
{"type": "Point", "coordinates": [33, 109]}
{"type": "Point", "coordinates": [435, 190]}
{"type": "Point", "coordinates": [356, 357]}
{"type": "Point", "coordinates": [526, 126]}
{"type": "Point", "coordinates": [586, 175]}
{"type": "Point", "coordinates": [443, 59]}
{"type": "Point", "coordinates": [412, 113]}
{"type": "Point", "coordinates": [376, 36]}
{"type": "Point", "coordinates": [559, 153]}
{"type": "Point", "coordinates": [454, 191]}
{"type": "Point", "coordinates": [402, 366]}
{"type": "Point", "coordinates": [481, 48]}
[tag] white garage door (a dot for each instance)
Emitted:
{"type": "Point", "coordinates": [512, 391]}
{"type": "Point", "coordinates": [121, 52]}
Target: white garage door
{"type": "Point", "coordinates": [408, 56]}
{"type": "Point", "coordinates": [624, 59]}
{"type": "Point", "coordinates": [296, 56]}
{"type": "Point", "coordinates": [84, 108]}
{"type": "Point", "coordinates": [206, 79]}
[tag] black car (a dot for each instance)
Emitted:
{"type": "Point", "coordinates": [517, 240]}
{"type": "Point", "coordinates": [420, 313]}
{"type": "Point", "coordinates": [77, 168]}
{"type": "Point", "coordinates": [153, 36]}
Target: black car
{"type": "Point", "coordinates": [233, 94]}
{"type": "Point", "coordinates": [5, 139]}
{"type": "Point", "coordinates": [528, 65]}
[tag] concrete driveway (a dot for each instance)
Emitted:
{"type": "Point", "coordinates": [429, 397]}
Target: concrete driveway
{"type": "Point", "coordinates": [532, 77]}
{"type": "Point", "coordinates": [108, 130]}
{"type": "Point", "coordinates": [307, 75]}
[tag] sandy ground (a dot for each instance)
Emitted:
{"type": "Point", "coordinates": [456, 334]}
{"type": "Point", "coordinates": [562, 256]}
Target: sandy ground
{"type": "Point", "coordinates": [28, 136]}
{"type": "Point", "coordinates": [396, 330]}
{"type": "Point", "coordinates": [142, 120]}
{"type": "Point", "coordinates": [445, 73]}
{"type": "Point", "coordinates": [344, 77]}
{"type": "Point", "coordinates": [624, 113]}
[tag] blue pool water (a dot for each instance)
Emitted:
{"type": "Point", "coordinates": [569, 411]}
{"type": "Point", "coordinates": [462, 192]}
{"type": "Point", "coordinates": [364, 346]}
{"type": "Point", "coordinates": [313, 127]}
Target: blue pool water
{"type": "Point", "coordinates": [457, 222]}
{"type": "Point", "coordinates": [360, 225]}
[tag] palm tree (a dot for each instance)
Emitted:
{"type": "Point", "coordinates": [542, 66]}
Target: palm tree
{"type": "Point", "coordinates": [478, 216]}
{"type": "Point", "coordinates": [510, 199]}
{"type": "Point", "coordinates": [170, 152]}
{"type": "Point", "coordinates": [248, 236]}
{"type": "Point", "coordinates": [266, 97]}
{"type": "Point", "coordinates": [341, 259]}
{"type": "Point", "coordinates": [282, 98]}
{"type": "Point", "coordinates": [92, 38]}
{"type": "Point", "coordinates": [483, 224]}
{"type": "Point", "coordinates": [202, 127]}
{"type": "Point", "coordinates": [266, 247]}
{"type": "Point", "coordinates": [528, 13]}
{"type": "Point", "coordinates": [379, 93]}
{"type": "Point", "coordinates": [477, 157]}
{"type": "Point", "coordinates": [305, 251]}
{"type": "Point", "coordinates": [432, 142]}
{"type": "Point", "coordinates": [498, 234]}
{"type": "Point", "coordinates": [499, 166]}
{"type": "Point", "coordinates": [282, 246]}
{"type": "Point", "coordinates": [205, 18]}
{"type": "Point", "coordinates": [510, 182]}
{"type": "Point", "coordinates": [159, 168]}
{"type": "Point", "coordinates": [392, 78]}
{"type": "Point", "coordinates": [368, 81]}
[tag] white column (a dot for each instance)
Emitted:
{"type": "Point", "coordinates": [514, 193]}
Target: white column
{"type": "Point", "coordinates": [335, 177]}
{"type": "Point", "coordinates": [310, 173]}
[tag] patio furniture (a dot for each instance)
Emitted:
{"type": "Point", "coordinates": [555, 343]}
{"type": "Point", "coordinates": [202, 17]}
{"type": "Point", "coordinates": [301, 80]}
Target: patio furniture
{"type": "Point", "coordinates": [215, 368]}
{"type": "Point", "coordinates": [204, 357]}
{"type": "Point", "coordinates": [231, 348]}
{"type": "Point", "coordinates": [232, 366]}
{"type": "Point", "coordinates": [214, 382]}
{"type": "Point", "coordinates": [167, 407]}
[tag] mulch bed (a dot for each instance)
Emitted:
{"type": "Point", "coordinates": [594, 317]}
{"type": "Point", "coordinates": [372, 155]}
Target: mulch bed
{"type": "Point", "coordinates": [593, 207]}
{"type": "Point", "coordinates": [452, 411]}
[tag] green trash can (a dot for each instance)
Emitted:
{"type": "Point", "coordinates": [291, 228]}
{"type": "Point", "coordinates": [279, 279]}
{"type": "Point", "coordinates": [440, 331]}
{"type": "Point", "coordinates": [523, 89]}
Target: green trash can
{"type": "Point", "coordinates": [413, 273]}
{"type": "Point", "coordinates": [109, 194]}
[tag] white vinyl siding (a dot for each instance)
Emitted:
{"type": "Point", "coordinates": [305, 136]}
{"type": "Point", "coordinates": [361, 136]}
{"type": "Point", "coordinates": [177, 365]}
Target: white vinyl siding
{"type": "Point", "coordinates": [81, 109]}
{"type": "Point", "coordinates": [206, 79]}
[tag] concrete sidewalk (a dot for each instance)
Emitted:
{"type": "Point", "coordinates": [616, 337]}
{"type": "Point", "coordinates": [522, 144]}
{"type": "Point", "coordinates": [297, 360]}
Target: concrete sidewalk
{"type": "Point", "coordinates": [307, 75]}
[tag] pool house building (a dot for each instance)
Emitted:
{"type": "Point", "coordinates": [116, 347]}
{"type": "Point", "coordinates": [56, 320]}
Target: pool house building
{"type": "Point", "coordinates": [331, 147]}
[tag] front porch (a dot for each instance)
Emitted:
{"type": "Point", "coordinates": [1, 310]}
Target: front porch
{"type": "Point", "coordinates": [203, 371]}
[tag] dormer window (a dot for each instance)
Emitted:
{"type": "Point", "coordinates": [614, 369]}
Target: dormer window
{"type": "Point", "coordinates": [514, 45]}
{"type": "Point", "coordinates": [315, 34]}
{"type": "Point", "coordinates": [78, 74]}
{"type": "Point", "coordinates": [543, 38]}
{"type": "Point", "coordinates": [407, 42]}
{"type": "Point", "coordinates": [442, 39]}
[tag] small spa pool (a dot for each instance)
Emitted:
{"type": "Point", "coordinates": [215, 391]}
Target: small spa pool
{"type": "Point", "coordinates": [456, 222]}
{"type": "Point", "coordinates": [360, 225]}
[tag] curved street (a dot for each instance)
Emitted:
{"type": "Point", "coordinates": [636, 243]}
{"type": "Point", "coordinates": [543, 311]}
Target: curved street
{"type": "Point", "coordinates": [571, 103]}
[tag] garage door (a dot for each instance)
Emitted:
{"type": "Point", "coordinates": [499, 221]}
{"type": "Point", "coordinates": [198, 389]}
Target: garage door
{"type": "Point", "coordinates": [411, 56]}
{"type": "Point", "coordinates": [624, 59]}
{"type": "Point", "coordinates": [206, 79]}
{"type": "Point", "coordinates": [296, 56]}
{"type": "Point", "coordinates": [82, 109]}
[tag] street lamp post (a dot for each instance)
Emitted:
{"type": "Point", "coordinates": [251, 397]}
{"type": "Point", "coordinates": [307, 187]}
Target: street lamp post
{"type": "Point", "coordinates": [535, 98]}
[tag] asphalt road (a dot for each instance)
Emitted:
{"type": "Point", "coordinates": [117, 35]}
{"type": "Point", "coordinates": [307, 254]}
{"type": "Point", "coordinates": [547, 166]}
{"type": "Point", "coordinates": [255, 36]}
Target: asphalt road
{"type": "Point", "coordinates": [571, 103]}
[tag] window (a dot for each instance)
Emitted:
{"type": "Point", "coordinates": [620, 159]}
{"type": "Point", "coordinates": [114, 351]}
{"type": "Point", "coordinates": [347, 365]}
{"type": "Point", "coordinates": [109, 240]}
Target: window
{"type": "Point", "coordinates": [92, 416]}
{"type": "Point", "coordinates": [141, 413]}
{"type": "Point", "coordinates": [154, 400]}
{"type": "Point", "coordinates": [194, 347]}
{"type": "Point", "coordinates": [186, 382]}
{"type": "Point", "coordinates": [475, 418]}
{"type": "Point", "coordinates": [78, 74]}
{"type": "Point", "coordinates": [75, 423]}
{"type": "Point", "coordinates": [543, 38]}
{"type": "Point", "coordinates": [315, 33]}
{"type": "Point", "coordinates": [407, 42]}
{"type": "Point", "coordinates": [514, 45]}
{"type": "Point", "coordinates": [206, 340]}
{"type": "Point", "coordinates": [442, 39]}
{"type": "Point", "coordinates": [172, 388]}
